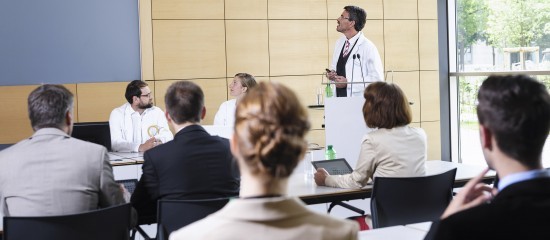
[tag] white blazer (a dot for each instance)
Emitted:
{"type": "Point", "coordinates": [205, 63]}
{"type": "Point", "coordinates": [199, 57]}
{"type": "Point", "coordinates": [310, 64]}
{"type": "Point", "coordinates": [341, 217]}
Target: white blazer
{"type": "Point", "coordinates": [368, 66]}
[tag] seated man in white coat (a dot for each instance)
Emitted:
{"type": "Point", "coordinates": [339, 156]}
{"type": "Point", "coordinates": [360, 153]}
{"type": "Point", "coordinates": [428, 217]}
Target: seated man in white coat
{"type": "Point", "coordinates": [138, 125]}
{"type": "Point", "coordinates": [355, 58]}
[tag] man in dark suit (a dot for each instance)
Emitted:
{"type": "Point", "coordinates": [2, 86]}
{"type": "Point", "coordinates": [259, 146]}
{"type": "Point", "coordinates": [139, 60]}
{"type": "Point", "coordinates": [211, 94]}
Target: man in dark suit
{"type": "Point", "coordinates": [195, 165]}
{"type": "Point", "coordinates": [514, 120]}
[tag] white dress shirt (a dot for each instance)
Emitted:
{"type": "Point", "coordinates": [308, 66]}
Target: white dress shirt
{"type": "Point", "coordinates": [226, 114]}
{"type": "Point", "coordinates": [129, 129]}
{"type": "Point", "coordinates": [396, 152]}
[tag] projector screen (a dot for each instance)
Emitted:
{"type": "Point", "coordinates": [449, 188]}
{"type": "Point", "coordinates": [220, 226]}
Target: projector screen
{"type": "Point", "coordinates": [68, 41]}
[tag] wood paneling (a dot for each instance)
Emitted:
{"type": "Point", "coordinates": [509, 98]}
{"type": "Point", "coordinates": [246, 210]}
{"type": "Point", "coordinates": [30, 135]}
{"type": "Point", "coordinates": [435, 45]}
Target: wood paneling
{"type": "Point", "coordinates": [247, 47]}
{"type": "Point", "coordinates": [401, 45]}
{"type": "Point", "coordinates": [245, 9]}
{"type": "Point", "coordinates": [146, 39]}
{"type": "Point", "coordinates": [433, 131]}
{"type": "Point", "coordinates": [374, 8]}
{"type": "Point", "coordinates": [400, 9]}
{"type": "Point", "coordinates": [429, 92]}
{"type": "Point", "coordinates": [428, 45]}
{"type": "Point", "coordinates": [96, 101]}
{"type": "Point", "coordinates": [427, 9]}
{"type": "Point", "coordinates": [187, 49]}
{"type": "Point", "coordinates": [292, 9]}
{"type": "Point", "coordinates": [297, 47]}
{"type": "Point", "coordinates": [188, 9]}
{"type": "Point", "coordinates": [410, 84]}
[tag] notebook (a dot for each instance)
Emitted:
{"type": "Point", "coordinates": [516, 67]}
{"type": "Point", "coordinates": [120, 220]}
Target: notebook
{"type": "Point", "coordinates": [334, 167]}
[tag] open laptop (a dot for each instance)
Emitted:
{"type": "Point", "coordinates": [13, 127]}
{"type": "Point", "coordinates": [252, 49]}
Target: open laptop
{"type": "Point", "coordinates": [337, 166]}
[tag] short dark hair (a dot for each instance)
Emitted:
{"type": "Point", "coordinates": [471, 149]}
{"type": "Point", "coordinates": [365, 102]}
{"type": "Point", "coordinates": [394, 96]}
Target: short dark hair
{"type": "Point", "coordinates": [47, 106]}
{"type": "Point", "coordinates": [516, 109]}
{"type": "Point", "coordinates": [386, 106]}
{"type": "Point", "coordinates": [184, 102]}
{"type": "Point", "coordinates": [358, 15]}
{"type": "Point", "coordinates": [134, 89]}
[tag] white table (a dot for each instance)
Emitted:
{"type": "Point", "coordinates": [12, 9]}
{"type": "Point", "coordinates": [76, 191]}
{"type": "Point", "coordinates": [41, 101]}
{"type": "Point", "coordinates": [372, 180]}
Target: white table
{"type": "Point", "coordinates": [394, 232]}
{"type": "Point", "coordinates": [423, 226]}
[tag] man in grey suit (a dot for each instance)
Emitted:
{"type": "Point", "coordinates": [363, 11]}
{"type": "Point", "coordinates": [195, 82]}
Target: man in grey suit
{"type": "Point", "coordinates": [52, 173]}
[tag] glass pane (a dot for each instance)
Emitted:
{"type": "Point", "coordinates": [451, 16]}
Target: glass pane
{"type": "Point", "coordinates": [503, 35]}
{"type": "Point", "coordinates": [470, 146]}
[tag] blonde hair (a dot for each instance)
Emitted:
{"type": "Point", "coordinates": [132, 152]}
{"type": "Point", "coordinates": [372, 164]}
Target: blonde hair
{"type": "Point", "coordinates": [270, 126]}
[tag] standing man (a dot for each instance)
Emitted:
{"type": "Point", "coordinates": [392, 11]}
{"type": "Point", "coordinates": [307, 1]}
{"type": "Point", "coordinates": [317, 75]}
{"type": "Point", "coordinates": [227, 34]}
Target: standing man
{"type": "Point", "coordinates": [355, 58]}
{"type": "Point", "coordinates": [195, 165]}
{"type": "Point", "coordinates": [514, 120]}
{"type": "Point", "coordinates": [52, 173]}
{"type": "Point", "coordinates": [138, 125]}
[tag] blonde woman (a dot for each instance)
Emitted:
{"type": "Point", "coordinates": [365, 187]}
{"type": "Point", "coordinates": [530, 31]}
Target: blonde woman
{"type": "Point", "coordinates": [242, 83]}
{"type": "Point", "coordinates": [268, 142]}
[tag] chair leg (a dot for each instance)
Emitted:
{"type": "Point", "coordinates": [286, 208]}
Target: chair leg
{"type": "Point", "coordinates": [345, 205]}
{"type": "Point", "coordinates": [141, 232]}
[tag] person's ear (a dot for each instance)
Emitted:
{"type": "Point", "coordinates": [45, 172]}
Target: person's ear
{"type": "Point", "coordinates": [245, 89]}
{"type": "Point", "coordinates": [68, 118]}
{"type": "Point", "coordinates": [203, 114]}
{"type": "Point", "coordinates": [486, 137]}
{"type": "Point", "coordinates": [233, 145]}
{"type": "Point", "coordinates": [168, 118]}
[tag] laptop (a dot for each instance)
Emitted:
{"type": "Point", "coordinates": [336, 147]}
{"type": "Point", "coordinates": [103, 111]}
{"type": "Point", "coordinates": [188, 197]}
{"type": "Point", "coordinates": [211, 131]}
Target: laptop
{"type": "Point", "coordinates": [337, 166]}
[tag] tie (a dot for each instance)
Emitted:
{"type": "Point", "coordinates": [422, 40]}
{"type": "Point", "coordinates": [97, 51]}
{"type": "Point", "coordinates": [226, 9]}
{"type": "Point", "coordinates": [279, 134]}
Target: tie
{"type": "Point", "coordinates": [346, 49]}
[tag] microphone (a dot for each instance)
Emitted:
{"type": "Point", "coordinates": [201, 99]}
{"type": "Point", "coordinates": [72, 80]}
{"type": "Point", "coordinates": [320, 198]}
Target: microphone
{"type": "Point", "coordinates": [362, 75]}
{"type": "Point", "coordinates": [352, 67]}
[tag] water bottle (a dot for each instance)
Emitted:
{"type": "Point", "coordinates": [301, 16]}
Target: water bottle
{"type": "Point", "coordinates": [330, 154]}
{"type": "Point", "coordinates": [328, 91]}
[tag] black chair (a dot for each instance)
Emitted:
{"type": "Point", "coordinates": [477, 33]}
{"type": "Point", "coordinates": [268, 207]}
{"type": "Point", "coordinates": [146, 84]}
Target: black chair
{"type": "Point", "coordinates": [111, 223]}
{"type": "Point", "coordinates": [175, 214]}
{"type": "Point", "coordinates": [400, 201]}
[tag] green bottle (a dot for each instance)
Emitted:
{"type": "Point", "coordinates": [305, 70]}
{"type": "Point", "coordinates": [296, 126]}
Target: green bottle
{"type": "Point", "coordinates": [330, 154]}
{"type": "Point", "coordinates": [328, 91]}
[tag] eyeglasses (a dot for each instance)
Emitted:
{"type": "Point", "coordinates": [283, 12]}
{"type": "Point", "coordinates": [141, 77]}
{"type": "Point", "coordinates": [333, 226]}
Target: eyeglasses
{"type": "Point", "coordinates": [342, 17]}
{"type": "Point", "coordinates": [146, 95]}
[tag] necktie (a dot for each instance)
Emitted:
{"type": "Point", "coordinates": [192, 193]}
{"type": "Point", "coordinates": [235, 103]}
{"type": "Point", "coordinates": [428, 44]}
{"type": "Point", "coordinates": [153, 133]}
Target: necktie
{"type": "Point", "coordinates": [346, 49]}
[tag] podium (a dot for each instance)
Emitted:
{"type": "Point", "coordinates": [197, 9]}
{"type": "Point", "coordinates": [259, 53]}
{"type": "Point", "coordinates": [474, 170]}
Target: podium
{"type": "Point", "coordinates": [345, 126]}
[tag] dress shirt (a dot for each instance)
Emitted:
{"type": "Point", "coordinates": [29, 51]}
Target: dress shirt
{"type": "Point", "coordinates": [522, 176]}
{"type": "Point", "coordinates": [368, 67]}
{"type": "Point", "coordinates": [226, 114]}
{"type": "Point", "coordinates": [396, 152]}
{"type": "Point", "coordinates": [129, 129]}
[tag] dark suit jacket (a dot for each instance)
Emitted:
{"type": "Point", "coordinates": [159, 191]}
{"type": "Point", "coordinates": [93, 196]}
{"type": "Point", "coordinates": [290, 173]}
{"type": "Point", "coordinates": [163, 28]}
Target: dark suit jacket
{"type": "Point", "coordinates": [195, 165]}
{"type": "Point", "coordinates": [520, 211]}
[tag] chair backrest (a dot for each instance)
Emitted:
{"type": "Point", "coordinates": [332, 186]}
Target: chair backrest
{"type": "Point", "coordinates": [106, 224]}
{"type": "Point", "coordinates": [175, 214]}
{"type": "Point", "coordinates": [400, 201]}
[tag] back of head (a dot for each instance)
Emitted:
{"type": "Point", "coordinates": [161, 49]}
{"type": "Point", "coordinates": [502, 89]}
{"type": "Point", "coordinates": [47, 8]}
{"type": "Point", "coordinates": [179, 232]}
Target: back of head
{"type": "Point", "coordinates": [386, 106]}
{"type": "Point", "coordinates": [358, 15]}
{"type": "Point", "coordinates": [516, 109]}
{"type": "Point", "coordinates": [270, 126]}
{"type": "Point", "coordinates": [247, 80]}
{"type": "Point", "coordinates": [48, 104]}
{"type": "Point", "coordinates": [134, 89]}
{"type": "Point", "coordinates": [184, 102]}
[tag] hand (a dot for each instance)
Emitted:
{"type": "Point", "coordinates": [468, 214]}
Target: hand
{"type": "Point", "coordinates": [125, 193]}
{"type": "Point", "coordinates": [331, 75]}
{"type": "Point", "coordinates": [341, 79]}
{"type": "Point", "coordinates": [472, 194]}
{"type": "Point", "coordinates": [320, 176]}
{"type": "Point", "coordinates": [151, 143]}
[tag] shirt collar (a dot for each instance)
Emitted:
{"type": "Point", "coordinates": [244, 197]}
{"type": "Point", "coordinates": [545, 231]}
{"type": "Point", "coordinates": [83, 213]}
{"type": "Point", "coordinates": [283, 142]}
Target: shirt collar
{"type": "Point", "coordinates": [354, 38]}
{"type": "Point", "coordinates": [522, 176]}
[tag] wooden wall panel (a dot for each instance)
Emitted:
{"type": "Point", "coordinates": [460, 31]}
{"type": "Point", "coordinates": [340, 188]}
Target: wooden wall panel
{"type": "Point", "coordinates": [410, 84]}
{"type": "Point", "coordinates": [146, 39]}
{"type": "Point", "coordinates": [374, 8]}
{"type": "Point", "coordinates": [97, 100]}
{"type": "Point", "coordinates": [247, 47]}
{"type": "Point", "coordinates": [401, 45]}
{"type": "Point", "coordinates": [187, 49]}
{"type": "Point", "coordinates": [16, 125]}
{"type": "Point", "coordinates": [188, 9]}
{"type": "Point", "coordinates": [297, 47]}
{"type": "Point", "coordinates": [429, 92]}
{"type": "Point", "coordinates": [245, 9]}
{"type": "Point", "coordinates": [400, 9]}
{"type": "Point", "coordinates": [433, 131]}
{"type": "Point", "coordinates": [427, 9]}
{"type": "Point", "coordinates": [292, 9]}
{"type": "Point", "coordinates": [428, 45]}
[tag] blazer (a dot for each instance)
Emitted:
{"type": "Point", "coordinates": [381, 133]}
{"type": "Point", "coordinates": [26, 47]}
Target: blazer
{"type": "Point", "coordinates": [368, 67]}
{"type": "Point", "coordinates": [51, 173]}
{"type": "Point", "coordinates": [519, 211]}
{"type": "Point", "coordinates": [195, 165]}
{"type": "Point", "coordinates": [396, 152]}
{"type": "Point", "coordinates": [268, 218]}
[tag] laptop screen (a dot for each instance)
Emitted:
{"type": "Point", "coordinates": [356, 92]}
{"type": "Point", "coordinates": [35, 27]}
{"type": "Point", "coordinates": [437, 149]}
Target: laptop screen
{"type": "Point", "coordinates": [334, 167]}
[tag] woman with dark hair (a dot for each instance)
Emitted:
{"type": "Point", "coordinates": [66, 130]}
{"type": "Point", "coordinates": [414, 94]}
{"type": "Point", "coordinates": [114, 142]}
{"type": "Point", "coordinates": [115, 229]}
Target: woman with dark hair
{"type": "Point", "coordinates": [268, 142]}
{"type": "Point", "coordinates": [242, 83]}
{"type": "Point", "coordinates": [392, 149]}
